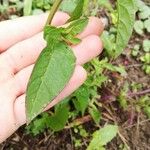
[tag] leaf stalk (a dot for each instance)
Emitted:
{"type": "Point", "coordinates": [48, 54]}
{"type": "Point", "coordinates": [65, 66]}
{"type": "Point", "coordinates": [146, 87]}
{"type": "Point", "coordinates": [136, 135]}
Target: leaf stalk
{"type": "Point", "coordinates": [53, 11]}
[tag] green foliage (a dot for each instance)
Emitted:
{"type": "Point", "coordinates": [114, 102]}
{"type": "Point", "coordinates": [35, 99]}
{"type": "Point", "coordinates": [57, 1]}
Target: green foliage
{"type": "Point", "coordinates": [68, 5]}
{"type": "Point", "coordinates": [147, 24]}
{"type": "Point", "coordinates": [73, 29]}
{"type": "Point", "coordinates": [95, 113]}
{"type": "Point", "coordinates": [135, 50]}
{"type": "Point", "coordinates": [146, 60]}
{"type": "Point", "coordinates": [139, 27]}
{"type": "Point", "coordinates": [102, 137]}
{"type": "Point", "coordinates": [81, 100]}
{"type": "Point", "coordinates": [51, 73]}
{"type": "Point", "coordinates": [85, 98]}
{"type": "Point", "coordinates": [77, 13]}
{"type": "Point", "coordinates": [106, 4]}
{"type": "Point", "coordinates": [58, 120]}
{"type": "Point", "coordinates": [39, 125]}
{"type": "Point", "coordinates": [123, 19]}
{"type": "Point", "coordinates": [108, 42]}
{"type": "Point", "coordinates": [122, 98]}
{"type": "Point", "coordinates": [144, 18]}
{"type": "Point", "coordinates": [42, 4]}
{"type": "Point", "coordinates": [126, 16]}
{"type": "Point", "coordinates": [144, 104]}
{"type": "Point", "coordinates": [146, 45]}
{"type": "Point", "coordinates": [144, 10]}
{"type": "Point", "coordinates": [54, 66]}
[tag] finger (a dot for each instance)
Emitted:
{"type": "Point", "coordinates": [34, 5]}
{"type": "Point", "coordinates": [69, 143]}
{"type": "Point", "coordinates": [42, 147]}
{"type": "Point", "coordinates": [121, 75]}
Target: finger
{"type": "Point", "coordinates": [13, 31]}
{"type": "Point", "coordinates": [95, 26]}
{"type": "Point", "coordinates": [77, 80]}
{"type": "Point", "coordinates": [26, 53]}
{"type": "Point", "coordinates": [89, 48]}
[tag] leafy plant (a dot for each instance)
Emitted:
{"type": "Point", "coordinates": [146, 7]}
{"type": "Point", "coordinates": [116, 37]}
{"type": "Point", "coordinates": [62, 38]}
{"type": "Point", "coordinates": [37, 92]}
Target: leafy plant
{"type": "Point", "coordinates": [55, 64]}
{"type": "Point", "coordinates": [102, 137]}
{"type": "Point", "coordinates": [84, 100]}
{"type": "Point", "coordinates": [144, 104]}
{"type": "Point", "coordinates": [125, 12]}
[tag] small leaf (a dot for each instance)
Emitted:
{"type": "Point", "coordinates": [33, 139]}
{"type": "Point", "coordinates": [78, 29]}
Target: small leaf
{"type": "Point", "coordinates": [73, 29]}
{"type": "Point", "coordinates": [68, 5]}
{"type": "Point", "coordinates": [95, 114]}
{"type": "Point", "coordinates": [71, 39]}
{"type": "Point", "coordinates": [76, 26]}
{"type": "Point", "coordinates": [102, 137]}
{"type": "Point", "coordinates": [147, 24]}
{"type": "Point", "coordinates": [39, 124]}
{"type": "Point", "coordinates": [27, 7]}
{"type": "Point", "coordinates": [145, 13]}
{"type": "Point", "coordinates": [82, 99]}
{"type": "Point", "coordinates": [107, 43]}
{"type": "Point", "coordinates": [60, 117]}
{"type": "Point", "coordinates": [146, 45]}
{"type": "Point", "coordinates": [77, 13]}
{"type": "Point", "coordinates": [106, 4]}
{"type": "Point", "coordinates": [126, 16]}
{"type": "Point", "coordinates": [147, 111]}
{"type": "Point", "coordinates": [139, 27]}
{"type": "Point", "coordinates": [145, 58]}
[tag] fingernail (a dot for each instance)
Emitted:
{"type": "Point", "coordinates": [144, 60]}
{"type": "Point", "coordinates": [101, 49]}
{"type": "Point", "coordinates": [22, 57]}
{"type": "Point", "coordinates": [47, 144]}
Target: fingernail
{"type": "Point", "coordinates": [104, 21]}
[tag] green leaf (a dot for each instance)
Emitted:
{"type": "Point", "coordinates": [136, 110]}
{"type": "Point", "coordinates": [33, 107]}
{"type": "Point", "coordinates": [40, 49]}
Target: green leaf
{"type": "Point", "coordinates": [71, 39]}
{"type": "Point", "coordinates": [82, 99]}
{"type": "Point", "coordinates": [50, 75]}
{"type": "Point", "coordinates": [145, 13]}
{"type": "Point", "coordinates": [73, 29]}
{"type": "Point", "coordinates": [106, 4]}
{"type": "Point", "coordinates": [27, 7]}
{"type": "Point", "coordinates": [77, 13]}
{"type": "Point", "coordinates": [126, 16]}
{"type": "Point", "coordinates": [68, 5]}
{"type": "Point", "coordinates": [52, 34]}
{"type": "Point", "coordinates": [39, 125]}
{"type": "Point", "coordinates": [102, 137]}
{"type": "Point", "coordinates": [147, 111]}
{"type": "Point", "coordinates": [107, 43]}
{"type": "Point", "coordinates": [76, 26]}
{"type": "Point", "coordinates": [60, 117]}
{"type": "Point", "coordinates": [95, 114]}
{"type": "Point", "coordinates": [139, 27]}
{"type": "Point", "coordinates": [147, 25]}
{"type": "Point", "coordinates": [146, 45]}
{"type": "Point", "coordinates": [145, 58]}
{"type": "Point", "coordinates": [111, 67]}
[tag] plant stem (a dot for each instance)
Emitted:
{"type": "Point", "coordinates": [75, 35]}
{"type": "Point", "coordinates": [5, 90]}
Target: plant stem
{"type": "Point", "coordinates": [53, 11]}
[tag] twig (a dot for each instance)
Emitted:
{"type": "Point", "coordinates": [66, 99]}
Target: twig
{"type": "Point", "coordinates": [79, 121]}
{"type": "Point", "coordinates": [123, 140]}
{"type": "Point", "coordinates": [139, 93]}
{"type": "Point", "coordinates": [140, 123]}
{"type": "Point", "coordinates": [134, 65]}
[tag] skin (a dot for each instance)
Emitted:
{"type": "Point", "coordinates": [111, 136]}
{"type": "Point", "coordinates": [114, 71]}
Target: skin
{"type": "Point", "coordinates": [21, 42]}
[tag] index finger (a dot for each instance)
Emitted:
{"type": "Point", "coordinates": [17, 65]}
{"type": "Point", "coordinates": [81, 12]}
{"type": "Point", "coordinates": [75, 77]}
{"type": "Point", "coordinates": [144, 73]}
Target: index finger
{"type": "Point", "coordinates": [13, 31]}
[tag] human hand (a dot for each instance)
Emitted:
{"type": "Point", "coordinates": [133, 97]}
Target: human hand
{"type": "Point", "coordinates": [21, 42]}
